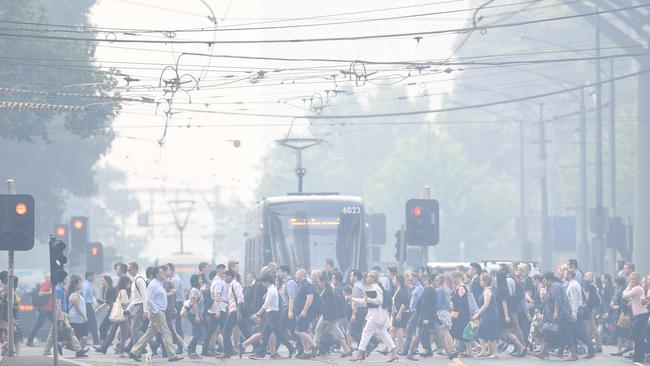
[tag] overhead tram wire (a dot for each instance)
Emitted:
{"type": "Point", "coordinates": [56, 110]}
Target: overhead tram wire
{"type": "Point", "coordinates": [134, 31]}
{"type": "Point", "coordinates": [420, 112]}
{"type": "Point", "coordinates": [327, 39]}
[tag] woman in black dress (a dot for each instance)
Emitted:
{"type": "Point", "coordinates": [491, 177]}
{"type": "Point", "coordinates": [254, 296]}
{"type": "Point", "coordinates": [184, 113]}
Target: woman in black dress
{"type": "Point", "coordinates": [460, 314]}
{"type": "Point", "coordinates": [401, 314]}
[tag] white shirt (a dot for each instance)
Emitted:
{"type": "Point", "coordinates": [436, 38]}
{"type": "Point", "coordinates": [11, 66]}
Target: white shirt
{"type": "Point", "coordinates": [138, 291]}
{"type": "Point", "coordinates": [574, 293]}
{"type": "Point", "coordinates": [235, 296]}
{"type": "Point", "coordinates": [270, 300]}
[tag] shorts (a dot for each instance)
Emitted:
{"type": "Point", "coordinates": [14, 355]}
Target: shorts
{"type": "Point", "coordinates": [80, 329]}
{"type": "Point", "coordinates": [402, 322]}
{"type": "Point", "coordinates": [302, 324]}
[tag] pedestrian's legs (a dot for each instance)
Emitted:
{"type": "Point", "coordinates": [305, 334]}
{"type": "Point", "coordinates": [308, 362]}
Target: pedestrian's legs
{"type": "Point", "coordinates": [197, 333]}
{"type": "Point", "coordinates": [42, 316]}
{"type": "Point", "coordinates": [146, 337]}
{"type": "Point", "coordinates": [639, 324]}
{"type": "Point", "coordinates": [92, 323]}
{"type": "Point", "coordinates": [231, 321]}
{"type": "Point", "coordinates": [159, 321]}
{"type": "Point", "coordinates": [179, 319]}
{"type": "Point", "coordinates": [137, 321]}
{"type": "Point", "coordinates": [366, 334]}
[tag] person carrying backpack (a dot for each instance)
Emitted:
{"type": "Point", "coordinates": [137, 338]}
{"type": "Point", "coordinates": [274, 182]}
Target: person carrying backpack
{"type": "Point", "coordinates": [41, 299]}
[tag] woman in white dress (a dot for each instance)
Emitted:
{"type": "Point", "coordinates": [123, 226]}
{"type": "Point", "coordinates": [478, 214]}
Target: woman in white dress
{"type": "Point", "coordinates": [376, 320]}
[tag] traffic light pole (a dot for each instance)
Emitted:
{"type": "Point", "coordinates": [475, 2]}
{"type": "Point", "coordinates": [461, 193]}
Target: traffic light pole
{"type": "Point", "coordinates": [55, 310]}
{"type": "Point", "coordinates": [402, 248]}
{"type": "Point", "coordinates": [426, 194]}
{"type": "Point", "coordinates": [11, 189]}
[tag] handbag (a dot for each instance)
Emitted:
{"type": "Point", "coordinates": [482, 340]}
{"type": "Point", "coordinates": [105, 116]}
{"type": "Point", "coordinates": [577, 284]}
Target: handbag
{"type": "Point", "coordinates": [470, 331]}
{"type": "Point", "coordinates": [551, 327]}
{"type": "Point", "coordinates": [117, 311]}
{"type": "Point", "coordinates": [117, 314]}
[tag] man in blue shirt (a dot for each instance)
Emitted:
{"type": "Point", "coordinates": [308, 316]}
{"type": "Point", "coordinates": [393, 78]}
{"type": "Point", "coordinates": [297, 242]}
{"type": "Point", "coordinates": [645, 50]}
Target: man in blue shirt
{"type": "Point", "coordinates": [61, 307]}
{"type": "Point", "coordinates": [88, 293]}
{"type": "Point", "coordinates": [155, 305]}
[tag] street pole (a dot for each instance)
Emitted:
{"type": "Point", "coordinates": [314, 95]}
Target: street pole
{"type": "Point", "coordinates": [612, 136]}
{"type": "Point", "coordinates": [526, 250]}
{"type": "Point", "coordinates": [11, 189]}
{"type": "Point", "coordinates": [583, 244]}
{"type": "Point", "coordinates": [424, 251]}
{"type": "Point", "coordinates": [612, 149]}
{"type": "Point", "coordinates": [55, 310]}
{"type": "Point", "coordinates": [402, 248]}
{"type": "Point", "coordinates": [547, 254]}
{"type": "Point", "coordinates": [599, 253]}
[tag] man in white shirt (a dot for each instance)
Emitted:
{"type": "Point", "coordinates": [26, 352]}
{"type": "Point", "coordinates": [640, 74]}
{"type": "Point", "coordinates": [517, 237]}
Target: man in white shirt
{"type": "Point", "coordinates": [270, 312]}
{"type": "Point", "coordinates": [235, 314]}
{"type": "Point", "coordinates": [155, 306]}
{"type": "Point", "coordinates": [138, 293]}
{"type": "Point", "coordinates": [218, 310]}
{"type": "Point", "coordinates": [578, 326]}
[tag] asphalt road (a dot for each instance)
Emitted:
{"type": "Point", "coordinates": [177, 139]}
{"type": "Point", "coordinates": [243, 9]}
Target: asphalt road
{"type": "Point", "coordinates": [31, 356]}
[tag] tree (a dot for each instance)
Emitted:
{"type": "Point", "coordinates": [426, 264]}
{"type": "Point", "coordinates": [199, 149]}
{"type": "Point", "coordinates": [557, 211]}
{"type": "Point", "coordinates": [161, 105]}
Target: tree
{"type": "Point", "coordinates": [52, 155]}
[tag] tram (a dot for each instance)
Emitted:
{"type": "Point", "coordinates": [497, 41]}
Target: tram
{"type": "Point", "coordinates": [305, 229]}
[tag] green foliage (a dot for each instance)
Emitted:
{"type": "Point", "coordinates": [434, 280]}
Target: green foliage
{"type": "Point", "coordinates": [52, 155]}
{"type": "Point", "coordinates": [388, 164]}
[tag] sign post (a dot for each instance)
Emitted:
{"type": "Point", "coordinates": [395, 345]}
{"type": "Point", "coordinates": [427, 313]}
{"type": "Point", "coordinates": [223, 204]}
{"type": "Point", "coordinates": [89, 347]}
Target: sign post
{"type": "Point", "coordinates": [11, 189]}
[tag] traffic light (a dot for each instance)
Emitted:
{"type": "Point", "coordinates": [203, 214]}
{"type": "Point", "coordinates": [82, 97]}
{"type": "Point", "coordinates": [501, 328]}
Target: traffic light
{"type": "Point", "coordinates": [78, 239]}
{"type": "Point", "coordinates": [399, 250]}
{"type": "Point", "coordinates": [422, 222]}
{"type": "Point", "coordinates": [95, 258]}
{"type": "Point", "coordinates": [61, 232]}
{"type": "Point", "coordinates": [57, 258]}
{"type": "Point", "coordinates": [16, 222]}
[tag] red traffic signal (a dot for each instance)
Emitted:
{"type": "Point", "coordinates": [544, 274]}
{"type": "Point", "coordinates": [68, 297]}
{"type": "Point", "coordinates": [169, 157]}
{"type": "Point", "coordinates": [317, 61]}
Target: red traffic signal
{"type": "Point", "coordinates": [95, 258]}
{"type": "Point", "coordinates": [21, 208]}
{"type": "Point", "coordinates": [416, 211]}
{"type": "Point", "coordinates": [60, 231]}
{"type": "Point", "coordinates": [16, 222]}
{"type": "Point", "coordinates": [78, 224]}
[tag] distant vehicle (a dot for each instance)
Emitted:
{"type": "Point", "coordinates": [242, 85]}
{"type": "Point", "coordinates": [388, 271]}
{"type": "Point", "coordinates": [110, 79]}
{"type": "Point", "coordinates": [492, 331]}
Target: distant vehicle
{"type": "Point", "coordinates": [305, 230]}
{"type": "Point", "coordinates": [186, 264]}
{"type": "Point", "coordinates": [447, 267]}
{"type": "Point", "coordinates": [493, 264]}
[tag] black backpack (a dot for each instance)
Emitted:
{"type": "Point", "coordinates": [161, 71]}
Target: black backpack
{"type": "Point", "coordinates": [208, 301]}
{"type": "Point", "coordinates": [37, 299]}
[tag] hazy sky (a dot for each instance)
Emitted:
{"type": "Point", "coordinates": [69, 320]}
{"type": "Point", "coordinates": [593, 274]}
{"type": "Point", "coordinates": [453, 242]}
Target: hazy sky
{"type": "Point", "coordinates": [202, 156]}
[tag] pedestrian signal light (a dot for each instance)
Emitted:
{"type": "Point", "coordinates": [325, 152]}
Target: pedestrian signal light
{"type": "Point", "coordinates": [60, 231]}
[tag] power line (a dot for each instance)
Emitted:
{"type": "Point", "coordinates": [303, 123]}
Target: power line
{"type": "Point", "coordinates": [328, 39]}
{"type": "Point", "coordinates": [428, 111]}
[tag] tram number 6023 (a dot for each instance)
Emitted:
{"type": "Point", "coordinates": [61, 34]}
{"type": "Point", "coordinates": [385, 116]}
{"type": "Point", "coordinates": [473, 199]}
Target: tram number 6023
{"type": "Point", "coordinates": [352, 210]}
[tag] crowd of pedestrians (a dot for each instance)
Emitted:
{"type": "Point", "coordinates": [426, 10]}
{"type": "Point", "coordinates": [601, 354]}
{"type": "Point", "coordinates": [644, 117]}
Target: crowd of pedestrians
{"type": "Point", "coordinates": [297, 313]}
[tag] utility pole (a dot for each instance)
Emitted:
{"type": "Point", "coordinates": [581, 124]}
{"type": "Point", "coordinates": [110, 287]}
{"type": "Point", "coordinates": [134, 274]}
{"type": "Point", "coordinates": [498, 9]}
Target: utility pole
{"type": "Point", "coordinates": [426, 194]}
{"type": "Point", "coordinates": [298, 145]}
{"type": "Point", "coordinates": [599, 244]}
{"type": "Point", "coordinates": [526, 250]}
{"type": "Point", "coordinates": [177, 207]}
{"type": "Point", "coordinates": [583, 244]}
{"type": "Point", "coordinates": [547, 255]}
{"type": "Point", "coordinates": [612, 136]}
{"type": "Point", "coordinates": [11, 189]}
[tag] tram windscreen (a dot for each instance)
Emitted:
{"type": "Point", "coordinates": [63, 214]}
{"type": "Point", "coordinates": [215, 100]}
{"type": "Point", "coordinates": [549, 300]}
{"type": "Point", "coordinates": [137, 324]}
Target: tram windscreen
{"type": "Point", "coordinates": [309, 232]}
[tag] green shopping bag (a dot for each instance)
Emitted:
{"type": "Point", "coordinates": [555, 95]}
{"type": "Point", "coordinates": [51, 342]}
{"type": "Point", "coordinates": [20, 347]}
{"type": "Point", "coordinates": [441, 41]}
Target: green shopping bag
{"type": "Point", "coordinates": [470, 331]}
